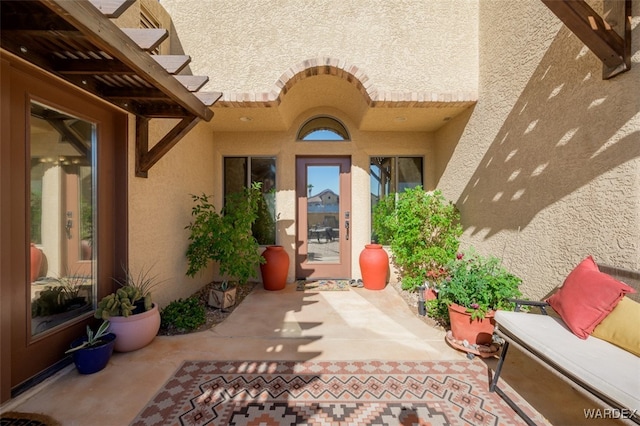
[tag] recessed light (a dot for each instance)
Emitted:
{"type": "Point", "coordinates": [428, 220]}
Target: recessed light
{"type": "Point", "coordinates": [245, 119]}
{"type": "Point", "coordinates": [400, 119]}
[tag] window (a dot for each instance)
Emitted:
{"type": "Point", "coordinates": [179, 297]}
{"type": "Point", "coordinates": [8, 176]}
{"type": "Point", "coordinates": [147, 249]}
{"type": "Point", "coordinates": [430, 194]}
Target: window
{"type": "Point", "coordinates": [390, 175]}
{"type": "Point", "coordinates": [323, 128]}
{"type": "Point", "coordinates": [62, 217]}
{"type": "Point", "coordinates": [239, 173]}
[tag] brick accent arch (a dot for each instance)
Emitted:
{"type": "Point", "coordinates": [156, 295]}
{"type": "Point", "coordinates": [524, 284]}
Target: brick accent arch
{"type": "Point", "coordinates": [354, 75]}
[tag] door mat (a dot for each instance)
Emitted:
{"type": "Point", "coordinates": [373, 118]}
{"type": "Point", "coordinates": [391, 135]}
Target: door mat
{"type": "Point", "coordinates": [332, 393]}
{"type": "Point", "coordinates": [322, 285]}
{"type": "Point", "coordinates": [13, 418]}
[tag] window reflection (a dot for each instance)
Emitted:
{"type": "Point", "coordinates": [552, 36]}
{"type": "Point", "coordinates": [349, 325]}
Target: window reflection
{"type": "Point", "coordinates": [62, 217]}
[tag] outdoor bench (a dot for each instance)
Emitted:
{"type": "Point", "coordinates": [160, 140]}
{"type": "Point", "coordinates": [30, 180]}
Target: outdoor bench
{"type": "Point", "coordinates": [600, 370]}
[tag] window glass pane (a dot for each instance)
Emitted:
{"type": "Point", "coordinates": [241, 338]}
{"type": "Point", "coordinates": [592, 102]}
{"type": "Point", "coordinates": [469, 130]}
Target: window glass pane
{"type": "Point", "coordinates": [264, 170]}
{"type": "Point", "coordinates": [409, 172]}
{"type": "Point", "coordinates": [389, 175]}
{"type": "Point", "coordinates": [235, 174]}
{"type": "Point", "coordinates": [62, 261]}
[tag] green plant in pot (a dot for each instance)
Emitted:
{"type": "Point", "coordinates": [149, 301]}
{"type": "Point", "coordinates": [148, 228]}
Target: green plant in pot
{"type": "Point", "coordinates": [423, 231]}
{"type": "Point", "coordinates": [225, 237]}
{"type": "Point", "coordinates": [134, 318]}
{"type": "Point", "coordinates": [92, 352]}
{"type": "Point", "coordinates": [475, 286]}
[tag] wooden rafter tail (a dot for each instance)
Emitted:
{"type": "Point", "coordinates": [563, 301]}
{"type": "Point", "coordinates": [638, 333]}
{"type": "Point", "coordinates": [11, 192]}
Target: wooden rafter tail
{"type": "Point", "coordinates": [112, 8]}
{"type": "Point", "coordinates": [145, 157]}
{"type": "Point", "coordinates": [610, 47]}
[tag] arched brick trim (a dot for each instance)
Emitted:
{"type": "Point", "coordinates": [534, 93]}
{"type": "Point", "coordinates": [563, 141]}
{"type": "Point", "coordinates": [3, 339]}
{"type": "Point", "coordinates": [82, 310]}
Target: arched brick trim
{"type": "Point", "coordinates": [354, 75]}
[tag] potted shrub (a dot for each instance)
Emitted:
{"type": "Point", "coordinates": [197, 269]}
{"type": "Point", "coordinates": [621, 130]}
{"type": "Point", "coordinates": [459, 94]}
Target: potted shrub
{"type": "Point", "coordinates": [474, 289]}
{"type": "Point", "coordinates": [134, 318]}
{"type": "Point", "coordinates": [92, 352]}
{"type": "Point", "coordinates": [225, 237]}
{"type": "Point", "coordinates": [423, 231]}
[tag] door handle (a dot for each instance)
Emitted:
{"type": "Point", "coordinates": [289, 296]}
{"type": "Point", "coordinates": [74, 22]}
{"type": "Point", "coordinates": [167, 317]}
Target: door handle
{"type": "Point", "coordinates": [68, 225]}
{"type": "Point", "coordinates": [346, 227]}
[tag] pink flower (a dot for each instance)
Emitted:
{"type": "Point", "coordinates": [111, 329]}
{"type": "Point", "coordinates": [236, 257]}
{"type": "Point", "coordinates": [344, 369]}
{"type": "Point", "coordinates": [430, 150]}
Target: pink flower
{"type": "Point", "coordinates": [475, 305]}
{"type": "Point", "coordinates": [459, 256]}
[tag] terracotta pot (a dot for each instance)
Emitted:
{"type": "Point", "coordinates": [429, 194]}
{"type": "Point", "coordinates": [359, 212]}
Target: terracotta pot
{"type": "Point", "coordinates": [374, 266]}
{"type": "Point", "coordinates": [274, 270]}
{"type": "Point", "coordinates": [135, 331]}
{"type": "Point", "coordinates": [473, 331]}
{"type": "Point", "coordinates": [35, 262]}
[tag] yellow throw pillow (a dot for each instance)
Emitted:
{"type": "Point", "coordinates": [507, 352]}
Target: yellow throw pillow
{"type": "Point", "coordinates": [621, 326]}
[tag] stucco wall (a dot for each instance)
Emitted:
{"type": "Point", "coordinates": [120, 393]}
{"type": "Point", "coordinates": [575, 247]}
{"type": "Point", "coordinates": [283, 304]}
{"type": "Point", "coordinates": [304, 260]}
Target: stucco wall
{"type": "Point", "coordinates": [547, 169]}
{"type": "Point", "coordinates": [245, 46]}
{"type": "Point", "coordinates": [160, 208]}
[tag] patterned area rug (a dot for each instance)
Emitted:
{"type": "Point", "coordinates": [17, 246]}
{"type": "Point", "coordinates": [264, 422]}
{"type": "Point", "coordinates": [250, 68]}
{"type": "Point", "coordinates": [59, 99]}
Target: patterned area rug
{"type": "Point", "coordinates": [331, 393]}
{"type": "Point", "coordinates": [322, 285]}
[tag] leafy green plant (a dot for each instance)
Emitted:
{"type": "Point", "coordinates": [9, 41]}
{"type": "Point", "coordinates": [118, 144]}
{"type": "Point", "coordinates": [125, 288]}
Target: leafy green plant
{"type": "Point", "coordinates": [225, 237]}
{"type": "Point", "coordinates": [183, 315]}
{"type": "Point", "coordinates": [93, 339]}
{"type": "Point", "coordinates": [480, 284]}
{"type": "Point", "coordinates": [423, 231]}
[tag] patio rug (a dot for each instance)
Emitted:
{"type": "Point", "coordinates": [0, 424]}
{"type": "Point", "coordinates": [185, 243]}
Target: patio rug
{"type": "Point", "coordinates": [331, 393]}
{"type": "Point", "coordinates": [322, 285]}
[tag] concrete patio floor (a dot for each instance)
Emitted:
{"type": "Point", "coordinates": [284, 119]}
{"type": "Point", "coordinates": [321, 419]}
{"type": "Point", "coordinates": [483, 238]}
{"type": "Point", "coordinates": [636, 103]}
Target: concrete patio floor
{"type": "Point", "coordinates": [358, 324]}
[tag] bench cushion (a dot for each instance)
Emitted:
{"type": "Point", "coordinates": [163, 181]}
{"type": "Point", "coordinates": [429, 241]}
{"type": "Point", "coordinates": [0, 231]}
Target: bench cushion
{"type": "Point", "coordinates": [605, 370]}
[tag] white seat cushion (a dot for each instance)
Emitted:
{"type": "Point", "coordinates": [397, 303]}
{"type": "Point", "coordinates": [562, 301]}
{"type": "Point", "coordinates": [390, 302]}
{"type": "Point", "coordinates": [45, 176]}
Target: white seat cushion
{"type": "Point", "coordinates": [604, 367]}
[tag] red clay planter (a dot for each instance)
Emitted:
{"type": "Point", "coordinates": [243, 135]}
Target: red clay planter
{"type": "Point", "coordinates": [274, 270]}
{"type": "Point", "coordinates": [374, 266]}
{"type": "Point", "coordinates": [473, 331]}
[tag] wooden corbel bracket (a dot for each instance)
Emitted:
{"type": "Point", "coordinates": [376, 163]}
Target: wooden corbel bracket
{"type": "Point", "coordinates": [145, 157]}
{"type": "Point", "coordinates": [609, 39]}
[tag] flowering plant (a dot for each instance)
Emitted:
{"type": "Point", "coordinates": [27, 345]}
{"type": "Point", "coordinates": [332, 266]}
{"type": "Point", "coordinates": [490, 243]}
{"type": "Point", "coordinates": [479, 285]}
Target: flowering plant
{"type": "Point", "coordinates": [479, 284]}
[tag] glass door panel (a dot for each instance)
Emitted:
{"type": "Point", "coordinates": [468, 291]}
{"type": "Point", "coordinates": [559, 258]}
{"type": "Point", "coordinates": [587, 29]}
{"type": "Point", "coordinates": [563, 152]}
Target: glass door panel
{"type": "Point", "coordinates": [323, 207]}
{"type": "Point", "coordinates": [62, 218]}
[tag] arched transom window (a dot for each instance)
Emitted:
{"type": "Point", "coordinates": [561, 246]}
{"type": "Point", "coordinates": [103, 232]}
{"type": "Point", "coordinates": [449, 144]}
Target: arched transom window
{"type": "Point", "coordinates": [323, 128]}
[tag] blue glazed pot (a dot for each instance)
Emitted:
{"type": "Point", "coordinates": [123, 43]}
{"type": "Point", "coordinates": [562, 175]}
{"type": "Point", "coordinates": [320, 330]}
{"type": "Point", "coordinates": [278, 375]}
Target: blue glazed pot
{"type": "Point", "coordinates": [91, 360]}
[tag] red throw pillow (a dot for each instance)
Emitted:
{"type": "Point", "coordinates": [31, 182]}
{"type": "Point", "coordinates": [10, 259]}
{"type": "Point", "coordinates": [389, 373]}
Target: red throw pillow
{"type": "Point", "coordinates": [587, 297]}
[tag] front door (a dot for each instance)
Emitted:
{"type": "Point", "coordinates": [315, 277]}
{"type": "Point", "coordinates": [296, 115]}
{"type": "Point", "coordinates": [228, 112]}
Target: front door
{"type": "Point", "coordinates": [323, 242]}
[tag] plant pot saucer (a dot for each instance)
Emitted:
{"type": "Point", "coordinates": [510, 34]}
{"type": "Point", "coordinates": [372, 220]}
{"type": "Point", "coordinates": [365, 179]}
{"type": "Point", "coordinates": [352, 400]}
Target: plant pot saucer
{"type": "Point", "coordinates": [483, 351]}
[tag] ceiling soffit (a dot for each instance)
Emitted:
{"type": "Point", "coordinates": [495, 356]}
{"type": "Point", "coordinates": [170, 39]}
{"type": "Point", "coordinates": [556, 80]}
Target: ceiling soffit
{"type": "Point", "coordinates": [329, 83]}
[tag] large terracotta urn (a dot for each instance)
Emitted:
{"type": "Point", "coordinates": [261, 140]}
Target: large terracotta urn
{"type": "Point", "coordinates": [474, 331]}
{"type": "Point", "coordinates": [135, 331]}
{"type": "Point", "coordinates": [36, 262]}
{"type": "Point", "coordinates": [374, 266]}
{"type": "Point", "coordinates": [274, 270]}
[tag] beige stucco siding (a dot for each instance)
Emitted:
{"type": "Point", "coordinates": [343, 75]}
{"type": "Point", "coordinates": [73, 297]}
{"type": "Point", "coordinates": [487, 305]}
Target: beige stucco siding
{"type": "Point", "coordinates": [245, 46]}
{"type": "Point", "coordinates": [160, 208]}
{"type": "Point", "coordinates": [546, 170]}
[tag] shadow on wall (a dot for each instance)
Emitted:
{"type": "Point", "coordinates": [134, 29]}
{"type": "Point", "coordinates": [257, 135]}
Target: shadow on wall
{"type": "Point", "coordinates": [566, 129]}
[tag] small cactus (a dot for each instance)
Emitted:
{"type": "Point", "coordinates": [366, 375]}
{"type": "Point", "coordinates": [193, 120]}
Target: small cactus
{"type": "Point", "coordinates": [134, 288]}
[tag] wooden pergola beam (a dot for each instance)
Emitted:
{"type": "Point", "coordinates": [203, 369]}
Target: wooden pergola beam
{"type": "Point", "coordinates": [145, 157]}
{"type": "Point", "coordinates": [105, 34]}
{"type": "Point", "coordinates": [612, 49]}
